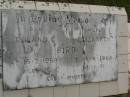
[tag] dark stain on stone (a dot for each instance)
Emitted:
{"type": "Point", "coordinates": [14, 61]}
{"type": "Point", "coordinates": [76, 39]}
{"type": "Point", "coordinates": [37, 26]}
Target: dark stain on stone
{"type": "Point", "coordinates": [20, 6]}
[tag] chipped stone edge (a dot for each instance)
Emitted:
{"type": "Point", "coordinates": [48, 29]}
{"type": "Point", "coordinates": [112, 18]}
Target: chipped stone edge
{"type": "Point", "coordinates": [57, 6]}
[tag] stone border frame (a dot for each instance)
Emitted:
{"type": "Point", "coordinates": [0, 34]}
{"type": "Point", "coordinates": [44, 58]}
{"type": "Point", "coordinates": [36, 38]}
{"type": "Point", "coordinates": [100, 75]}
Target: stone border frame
{"type": "Point", "coordinates": [83, 90]}
{"type": "Point", "coordinates": [129, 48]}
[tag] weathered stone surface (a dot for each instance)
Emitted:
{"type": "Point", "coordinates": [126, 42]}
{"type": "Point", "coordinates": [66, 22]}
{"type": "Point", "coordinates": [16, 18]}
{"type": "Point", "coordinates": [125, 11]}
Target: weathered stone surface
{"type": "Point", "coordinates": [48, 48]}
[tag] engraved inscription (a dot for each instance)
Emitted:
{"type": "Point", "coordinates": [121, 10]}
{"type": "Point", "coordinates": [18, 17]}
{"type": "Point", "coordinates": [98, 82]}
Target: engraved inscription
{"type": "Point", "coordinates": [49, 48]}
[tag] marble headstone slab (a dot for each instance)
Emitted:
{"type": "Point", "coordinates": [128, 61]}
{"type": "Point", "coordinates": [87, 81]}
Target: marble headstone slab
{"type": "Point", "coordinates": [50, 48]}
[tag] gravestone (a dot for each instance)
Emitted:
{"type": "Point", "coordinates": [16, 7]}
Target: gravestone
{"type": "Point", "coordinates": [79, 47]}
{"type": "Point", "coordinates": [49, 48]}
